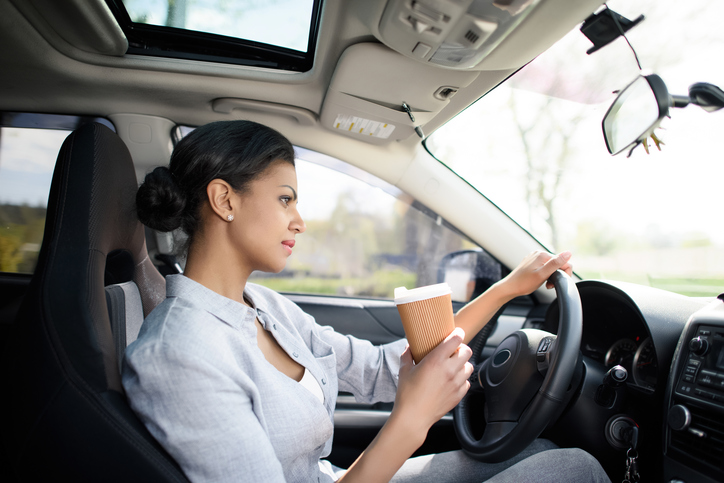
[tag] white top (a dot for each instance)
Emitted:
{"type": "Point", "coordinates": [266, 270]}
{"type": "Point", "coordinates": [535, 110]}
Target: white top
{"type": "Point", "coordinates": [310, 383]}
{"type": "Point", "coordinates": [404, 296]}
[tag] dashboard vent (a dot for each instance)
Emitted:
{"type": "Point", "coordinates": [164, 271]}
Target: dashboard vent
{"type": "Point", "coordinates": [709, 449]}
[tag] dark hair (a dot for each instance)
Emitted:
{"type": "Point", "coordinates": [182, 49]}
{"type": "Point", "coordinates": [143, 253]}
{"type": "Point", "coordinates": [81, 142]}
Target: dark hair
{"type": "Point", "coordinates": [237, 152]}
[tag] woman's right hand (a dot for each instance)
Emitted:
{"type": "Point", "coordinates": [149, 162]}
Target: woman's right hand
{"type": "Point", "coordinates": [425, 393]}
{"type": "Point", "coordinates": [429, 390]}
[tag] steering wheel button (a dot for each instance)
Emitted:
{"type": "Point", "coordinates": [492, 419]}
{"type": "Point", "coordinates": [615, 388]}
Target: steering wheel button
{"type": "Point", "coordinates": [543, 345]}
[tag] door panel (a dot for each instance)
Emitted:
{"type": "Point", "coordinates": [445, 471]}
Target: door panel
{"type": "Point", "coordinates": [373, 320]}
{"type": "Point", "coordinates": [12, 290]}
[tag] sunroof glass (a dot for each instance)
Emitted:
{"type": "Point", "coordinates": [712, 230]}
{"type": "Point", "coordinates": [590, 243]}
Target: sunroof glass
{"type": "Point", "coordinates": [283, 23]}
{"type": "Point", "coordinates": [272, 34]}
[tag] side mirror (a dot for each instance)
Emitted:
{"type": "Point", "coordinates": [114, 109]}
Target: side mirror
{"type": "Point", "coordinates": [636, 112]}
{"type": "Point", "coordinates": [469, 273]}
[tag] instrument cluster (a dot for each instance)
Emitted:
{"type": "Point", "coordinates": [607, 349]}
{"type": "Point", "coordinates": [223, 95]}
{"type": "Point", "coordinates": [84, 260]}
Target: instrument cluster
{"type": "Point", "coordinates": [638, 356]}
{"type": "Point", "coordinates": [614, 333]}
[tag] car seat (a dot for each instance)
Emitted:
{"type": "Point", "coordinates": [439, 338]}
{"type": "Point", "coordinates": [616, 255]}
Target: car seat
{"type": "Point", "coordinates": [65, 414]}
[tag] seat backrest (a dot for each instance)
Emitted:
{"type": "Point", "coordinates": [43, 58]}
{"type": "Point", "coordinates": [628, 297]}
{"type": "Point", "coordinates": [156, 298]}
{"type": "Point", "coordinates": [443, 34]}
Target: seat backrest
{"type": "Point", "coordinates": [66, 417]}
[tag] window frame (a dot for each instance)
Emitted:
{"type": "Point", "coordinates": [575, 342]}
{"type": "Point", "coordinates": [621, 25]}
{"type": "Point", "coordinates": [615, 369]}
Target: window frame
{"type": "Point", "coordinates": [176, 43]}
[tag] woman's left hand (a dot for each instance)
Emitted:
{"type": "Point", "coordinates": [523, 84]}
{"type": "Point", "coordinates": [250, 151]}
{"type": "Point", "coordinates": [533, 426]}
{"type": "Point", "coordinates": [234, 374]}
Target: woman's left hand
{"type": "Point", "coordinates": [535, 269]}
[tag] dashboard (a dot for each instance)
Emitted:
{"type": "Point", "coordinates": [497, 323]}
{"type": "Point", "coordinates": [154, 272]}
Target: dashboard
{"type": "Point", "coordinates": [615, 332]}
{"type": "Point", "coordinates": [673, 350]}
{"type": "Point", "coordinates": [638, 357]}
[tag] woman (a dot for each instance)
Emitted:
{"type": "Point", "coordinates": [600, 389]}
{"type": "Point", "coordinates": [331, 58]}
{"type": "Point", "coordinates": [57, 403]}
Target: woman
{"type": "Point", "coordinates": [234, 380]}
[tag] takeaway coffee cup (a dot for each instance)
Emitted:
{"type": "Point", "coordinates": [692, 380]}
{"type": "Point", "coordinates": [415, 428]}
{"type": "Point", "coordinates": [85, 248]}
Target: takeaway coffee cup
{"type": "Point", "coordinates": [427, 316]}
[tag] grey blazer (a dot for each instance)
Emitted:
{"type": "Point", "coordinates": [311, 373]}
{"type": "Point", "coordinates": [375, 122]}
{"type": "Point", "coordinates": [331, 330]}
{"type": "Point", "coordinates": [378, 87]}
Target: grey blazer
{"type": "Point", "coordinates": [198, 381]}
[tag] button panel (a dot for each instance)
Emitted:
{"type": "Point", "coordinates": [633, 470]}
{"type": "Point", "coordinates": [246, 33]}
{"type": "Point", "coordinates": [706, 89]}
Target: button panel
{"type": "Point", "coordinates": [711, 379]}
{"type": "Point", "coordinates": [700, 376]}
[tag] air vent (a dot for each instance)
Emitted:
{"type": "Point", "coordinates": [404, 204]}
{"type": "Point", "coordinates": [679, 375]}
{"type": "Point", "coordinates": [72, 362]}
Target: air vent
{"type": "Point", "coordinates": [708, 449]}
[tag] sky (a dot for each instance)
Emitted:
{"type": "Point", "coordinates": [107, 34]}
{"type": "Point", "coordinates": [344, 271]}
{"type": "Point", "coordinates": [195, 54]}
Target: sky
{"type": "Point", "coordinates": [27, 159]}
{"type": "Point", "coordinates": [275, 22]}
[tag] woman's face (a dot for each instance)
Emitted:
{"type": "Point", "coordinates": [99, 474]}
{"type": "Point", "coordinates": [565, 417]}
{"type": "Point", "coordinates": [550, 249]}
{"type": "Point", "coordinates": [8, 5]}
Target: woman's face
{"type": "Point", "coordinates": [267, 219]}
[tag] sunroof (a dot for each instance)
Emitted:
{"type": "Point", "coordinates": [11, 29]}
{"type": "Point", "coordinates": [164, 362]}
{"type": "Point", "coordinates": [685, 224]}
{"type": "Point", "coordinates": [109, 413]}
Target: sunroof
{"type": "Point", "coordinates": [278, 34]}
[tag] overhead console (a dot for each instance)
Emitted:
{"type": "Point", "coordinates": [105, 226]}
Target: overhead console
{"type": "Point", "coordinates": [694, 443]}
{"type": "Point", "coordinates": [451, 33]}
{"type": "Point", "coordinates": [477, 34]}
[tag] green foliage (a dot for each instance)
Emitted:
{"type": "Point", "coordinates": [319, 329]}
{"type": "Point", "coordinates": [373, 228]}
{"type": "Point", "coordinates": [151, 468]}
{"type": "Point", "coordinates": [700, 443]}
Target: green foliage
{"type": "Point", "coordinates": [692, 287]}
{"type": "Point", "coordinates": [696, 240]}
{"type": "Point", "coordinates": [689, 286]}
{"type": "Point", "coordinates": [10, 254]}
{"type": "Point", "coordinates": [380, 283]}
{"type": "Point", "coordinates": [21, 232]}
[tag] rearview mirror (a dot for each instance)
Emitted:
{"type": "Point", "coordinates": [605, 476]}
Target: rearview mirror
{"type": "Point", "coordinates": [636, 112]}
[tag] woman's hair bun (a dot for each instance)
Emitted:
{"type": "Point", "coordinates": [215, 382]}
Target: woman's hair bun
{"type": "Point", "coordinates": [159, 201]}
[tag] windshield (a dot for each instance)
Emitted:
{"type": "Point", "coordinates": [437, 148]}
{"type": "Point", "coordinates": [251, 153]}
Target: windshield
{"type": "Point", "coordinates": [535, 148]}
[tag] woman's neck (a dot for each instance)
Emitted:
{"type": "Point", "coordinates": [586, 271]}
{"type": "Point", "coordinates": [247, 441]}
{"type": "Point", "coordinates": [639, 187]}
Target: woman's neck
{"type": "Point", "coordinates": [214, 268]}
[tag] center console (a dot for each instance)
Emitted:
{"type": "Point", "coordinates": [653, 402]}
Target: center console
{"type": "Point", "coordinates": [694, 433]}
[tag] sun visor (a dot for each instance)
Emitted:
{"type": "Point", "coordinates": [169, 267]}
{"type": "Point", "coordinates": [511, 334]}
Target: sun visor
{"type": "Point", "coordinates": [373, 88]}
{"type": "Point", "coordinates": [84, 24]}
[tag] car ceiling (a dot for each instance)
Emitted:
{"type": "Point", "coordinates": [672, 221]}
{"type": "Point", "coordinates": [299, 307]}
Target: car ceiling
{"type": "Point", "coordinates": [68, 58]}
{"type": "Point", "coordinates": [56, 59]}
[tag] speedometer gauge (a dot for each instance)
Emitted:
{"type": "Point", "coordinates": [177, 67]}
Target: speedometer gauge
{"type": "Point", "coordinates": [644, 365]}
{"type": "Point", "coordinates": [621, 352]}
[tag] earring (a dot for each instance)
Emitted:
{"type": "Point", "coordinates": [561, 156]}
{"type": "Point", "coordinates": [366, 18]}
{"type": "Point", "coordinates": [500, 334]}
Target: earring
{"type": "Point", "coordinates": [230, 217]}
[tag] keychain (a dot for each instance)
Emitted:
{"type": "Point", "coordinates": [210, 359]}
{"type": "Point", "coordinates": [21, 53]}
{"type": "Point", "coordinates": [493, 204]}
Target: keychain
{"type": "Point", "coordinates": [632, 467]}
{"type": "Point", "coordinates": [632, 456]}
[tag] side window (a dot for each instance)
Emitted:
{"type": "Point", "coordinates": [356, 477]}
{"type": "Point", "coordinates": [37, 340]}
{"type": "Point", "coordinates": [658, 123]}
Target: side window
{"type": "Point", "coordinates": [27, 158]}
{"type": "Point", "coordinates": [365, 237]}
{"type": "Point", "coordinates": [29, 145]}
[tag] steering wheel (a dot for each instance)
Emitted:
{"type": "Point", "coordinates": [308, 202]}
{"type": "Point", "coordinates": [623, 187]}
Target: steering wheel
{"type": "Point", "coordinates": [525, 382]}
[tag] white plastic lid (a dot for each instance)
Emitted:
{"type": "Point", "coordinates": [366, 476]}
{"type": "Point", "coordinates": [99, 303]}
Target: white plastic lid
{"type": "Point", "coordinates": [404, 296]}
